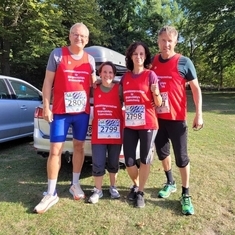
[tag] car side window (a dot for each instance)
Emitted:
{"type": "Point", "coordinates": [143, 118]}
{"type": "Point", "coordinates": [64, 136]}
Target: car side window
{"type": "Point", "coordinates": [3, 90]}
{"type": "Point", "coordinates": [24, 92]}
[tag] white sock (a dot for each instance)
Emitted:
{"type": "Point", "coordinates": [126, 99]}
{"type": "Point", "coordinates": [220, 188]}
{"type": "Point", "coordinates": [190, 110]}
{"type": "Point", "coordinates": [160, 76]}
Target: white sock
{"type": "Point", "coordinates": [76, 177]}
{"type": "Point", "coordinates": [51, 186]}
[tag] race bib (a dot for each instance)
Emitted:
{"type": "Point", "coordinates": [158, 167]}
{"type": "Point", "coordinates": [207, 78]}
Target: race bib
{"type": "Point", "coordinates": [164, 108]}
{"type": "Point", "coordinates": [109, 129]}
{"type": "Point", "coordinates": [75, 101]}
{"type": "Point", "coordinates": [135, 115]}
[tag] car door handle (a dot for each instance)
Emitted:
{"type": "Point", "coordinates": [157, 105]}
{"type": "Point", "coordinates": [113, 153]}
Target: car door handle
{"type": "Point", "coordinates": [24, 107]}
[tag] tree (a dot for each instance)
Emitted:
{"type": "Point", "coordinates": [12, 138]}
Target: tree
{"type": "Point", "coordinates": [126, 22]}
{"type": "Point", "coordinates": [212, 24]}
{"type": "Point", "coordinates": [137, 20]}
{"type": "Point", "coordinates": [31, 29]}
{"type": "Point", "coordinates": [27, 35]}
{"type": "Point", "coordinates": [86, 12]}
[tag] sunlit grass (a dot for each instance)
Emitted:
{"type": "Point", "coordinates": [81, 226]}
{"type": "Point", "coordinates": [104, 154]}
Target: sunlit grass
{"type": "Point", "coordinates": [212, 186]}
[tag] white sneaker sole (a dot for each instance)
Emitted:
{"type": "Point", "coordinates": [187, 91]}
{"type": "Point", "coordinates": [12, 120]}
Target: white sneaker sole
{"type": "Point", "coordinates": [81, 196]}
{"type": "Point", "coordinates": [93, 201]}
{"type": "Point", "coordinates": [52, 203]}
{"type": "Point", "coordinates": [115, 197]}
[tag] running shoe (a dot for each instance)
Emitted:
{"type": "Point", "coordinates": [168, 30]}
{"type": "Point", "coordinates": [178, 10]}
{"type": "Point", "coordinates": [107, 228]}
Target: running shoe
{"type": "Point", "coordinates": [97, 194]}
{"type": "Point", "coordinates": [167, 190]}
{"type": "Point", "coordinates": [77, 192]}
{"type": "Point", "coordinates": [139, 200]}
{"type": "Point", "coordinates": [47, 202]}
{"type": "Point", "coordinates": [132, 194]}
{"type": "Point", "coordinates": [114, 192]}
{"type": "Point", "coordinates": [187, 206]}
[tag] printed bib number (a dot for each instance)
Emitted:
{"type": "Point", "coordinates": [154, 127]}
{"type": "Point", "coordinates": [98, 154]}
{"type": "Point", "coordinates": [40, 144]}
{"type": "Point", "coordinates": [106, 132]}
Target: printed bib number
{"type": "Point", "coordinates": [134, 115]}
{"type": "Point", "coordinates": [75, 101]}
{"type": "Point", "coordinates": [108, 129]}
{"type": "Point", "coordinates": [164, 108]}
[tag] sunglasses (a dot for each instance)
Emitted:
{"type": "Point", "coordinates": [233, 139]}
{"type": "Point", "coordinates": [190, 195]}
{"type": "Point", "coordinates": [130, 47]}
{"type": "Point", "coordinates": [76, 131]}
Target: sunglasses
{"type": "Point", "coordinates": [198, 128]}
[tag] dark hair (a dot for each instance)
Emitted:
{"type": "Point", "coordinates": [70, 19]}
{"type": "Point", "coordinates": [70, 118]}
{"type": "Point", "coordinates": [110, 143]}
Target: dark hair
{"type": "Point", "coordinates": [107, 63]}
{"type": "Point", "coordinates": [129, 52]}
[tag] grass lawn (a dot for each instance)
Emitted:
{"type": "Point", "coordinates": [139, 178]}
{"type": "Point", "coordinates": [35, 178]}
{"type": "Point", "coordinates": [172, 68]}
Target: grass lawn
{"type": "Point", "coordinates": [212, 186]}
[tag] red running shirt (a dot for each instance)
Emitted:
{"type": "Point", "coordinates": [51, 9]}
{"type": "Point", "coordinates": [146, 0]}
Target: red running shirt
{"type": "Point", "coordinates": [172, 88]}
{"type": "Point", "coordinates": [72, 85]}
{"type": "Point", "coordinates": [107, 124]}
{"type": "Point", "coordinates": [139, 110]}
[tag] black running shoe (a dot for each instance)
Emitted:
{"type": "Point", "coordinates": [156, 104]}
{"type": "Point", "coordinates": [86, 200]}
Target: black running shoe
{"type": "Point", "coordinates": [132, 194]}
{"type": "Point", "coordinates": [139, 200]}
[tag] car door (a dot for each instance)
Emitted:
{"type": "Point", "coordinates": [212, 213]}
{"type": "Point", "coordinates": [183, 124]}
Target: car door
{"type": "Point", "coordinates": [9, 117]}
{"type": "Point", "coordinates": [27, 98]}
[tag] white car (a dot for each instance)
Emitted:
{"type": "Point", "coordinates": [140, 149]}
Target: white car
{"type": "Point", "coordinates": [42, 136]}
{"type": "Point", "coordinates": [42, 128]}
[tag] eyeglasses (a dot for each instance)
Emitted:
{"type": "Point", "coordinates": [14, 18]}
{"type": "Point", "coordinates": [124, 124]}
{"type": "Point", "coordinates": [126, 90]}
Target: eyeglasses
{"type": "Point", "coordinates": [79, 35]}
{"type": "Point", "coordinates": [198, 128]}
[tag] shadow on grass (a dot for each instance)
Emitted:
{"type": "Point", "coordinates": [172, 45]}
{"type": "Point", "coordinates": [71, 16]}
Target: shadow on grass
{"type": "Point", "coordinates": [23, 177]}
{"type": "Point", "coordinates": [164, 203]}
{"type": "Point", "coordinates": [23, 180]}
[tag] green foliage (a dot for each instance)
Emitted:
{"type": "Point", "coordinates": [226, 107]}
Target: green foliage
{"type": "Point", "coordinates": [130, 21]}
{"type": "Point", "coordinates": [84, 11]}
{"type": "Point", "coordinates": [31, 29]}
{"type": "Point", "coordinates": [211, 31]}
{"type": "Point", "coordinates": [30, 32]}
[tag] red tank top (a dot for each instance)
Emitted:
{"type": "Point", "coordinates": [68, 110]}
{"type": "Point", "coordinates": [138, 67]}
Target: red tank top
{"type": "Point", "coordinates": [139, 111]}
{"type": "Point", "coordinates": [172, 88]}
{"type": "Point", "coordinates": [72, 85]}
{"type": "Point", "coordinates": [107, 124]}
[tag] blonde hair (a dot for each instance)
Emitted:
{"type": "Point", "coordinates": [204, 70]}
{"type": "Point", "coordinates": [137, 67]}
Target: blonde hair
{"type": "Point", "coordinates": [169, 30]}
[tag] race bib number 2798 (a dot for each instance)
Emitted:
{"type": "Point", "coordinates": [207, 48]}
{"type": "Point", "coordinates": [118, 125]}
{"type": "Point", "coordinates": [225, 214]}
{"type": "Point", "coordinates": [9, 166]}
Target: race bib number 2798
{"type": "Point", "coordinates": [135, 115]}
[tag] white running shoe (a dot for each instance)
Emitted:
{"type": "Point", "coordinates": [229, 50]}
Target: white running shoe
{"type": "Point", "coordinates": [114, 192]}
{"type": "Point", "coordinates": [47, 202]}
{"type": "Point", "coordinates": [77, 192]}
{"type": "Point", "coordinates": [97, 194]}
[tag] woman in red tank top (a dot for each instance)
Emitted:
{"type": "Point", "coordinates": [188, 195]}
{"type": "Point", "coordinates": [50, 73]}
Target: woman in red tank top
{"type": "Point", "coordinates": [141, 95]}
{"type": "Point", "coordinates": [107, 128]}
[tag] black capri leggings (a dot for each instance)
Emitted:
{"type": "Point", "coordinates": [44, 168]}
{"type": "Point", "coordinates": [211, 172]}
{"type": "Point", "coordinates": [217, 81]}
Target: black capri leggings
{"type": "Point", "coordinates": [146, 142]}
{"type": "Point", "coordinates": [176, 132]}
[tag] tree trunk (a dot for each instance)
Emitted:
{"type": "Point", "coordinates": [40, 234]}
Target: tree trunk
{"type": "Point", "coordinates": [5, 65]}
{"type": "Point", "coordinates": [221, 72]}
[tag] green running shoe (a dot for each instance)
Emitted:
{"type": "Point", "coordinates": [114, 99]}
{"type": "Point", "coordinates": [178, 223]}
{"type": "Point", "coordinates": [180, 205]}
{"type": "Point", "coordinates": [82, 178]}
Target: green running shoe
{"type": "Point", "coordinates": [187, 206]}
{"type": "Point", "coordinates": [167, 190]}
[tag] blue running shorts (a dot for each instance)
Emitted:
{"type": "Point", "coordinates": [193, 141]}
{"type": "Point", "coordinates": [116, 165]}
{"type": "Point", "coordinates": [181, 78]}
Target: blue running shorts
{"type": "Point", "coordinates": [60, 125]}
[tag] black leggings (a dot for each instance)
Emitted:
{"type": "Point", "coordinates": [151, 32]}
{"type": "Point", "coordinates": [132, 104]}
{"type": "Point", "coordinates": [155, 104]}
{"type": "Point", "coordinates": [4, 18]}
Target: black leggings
{"type": "Point", "coordinates": [146, 146]}
{"type": "Point", "coordinates": [176, 131]}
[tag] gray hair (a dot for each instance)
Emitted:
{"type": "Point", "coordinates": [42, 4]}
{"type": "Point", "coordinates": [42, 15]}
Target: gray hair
{"type": "Point", "coordinates": [169, 30]}
{"type": "Point", "coordinates": [78, 25]}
